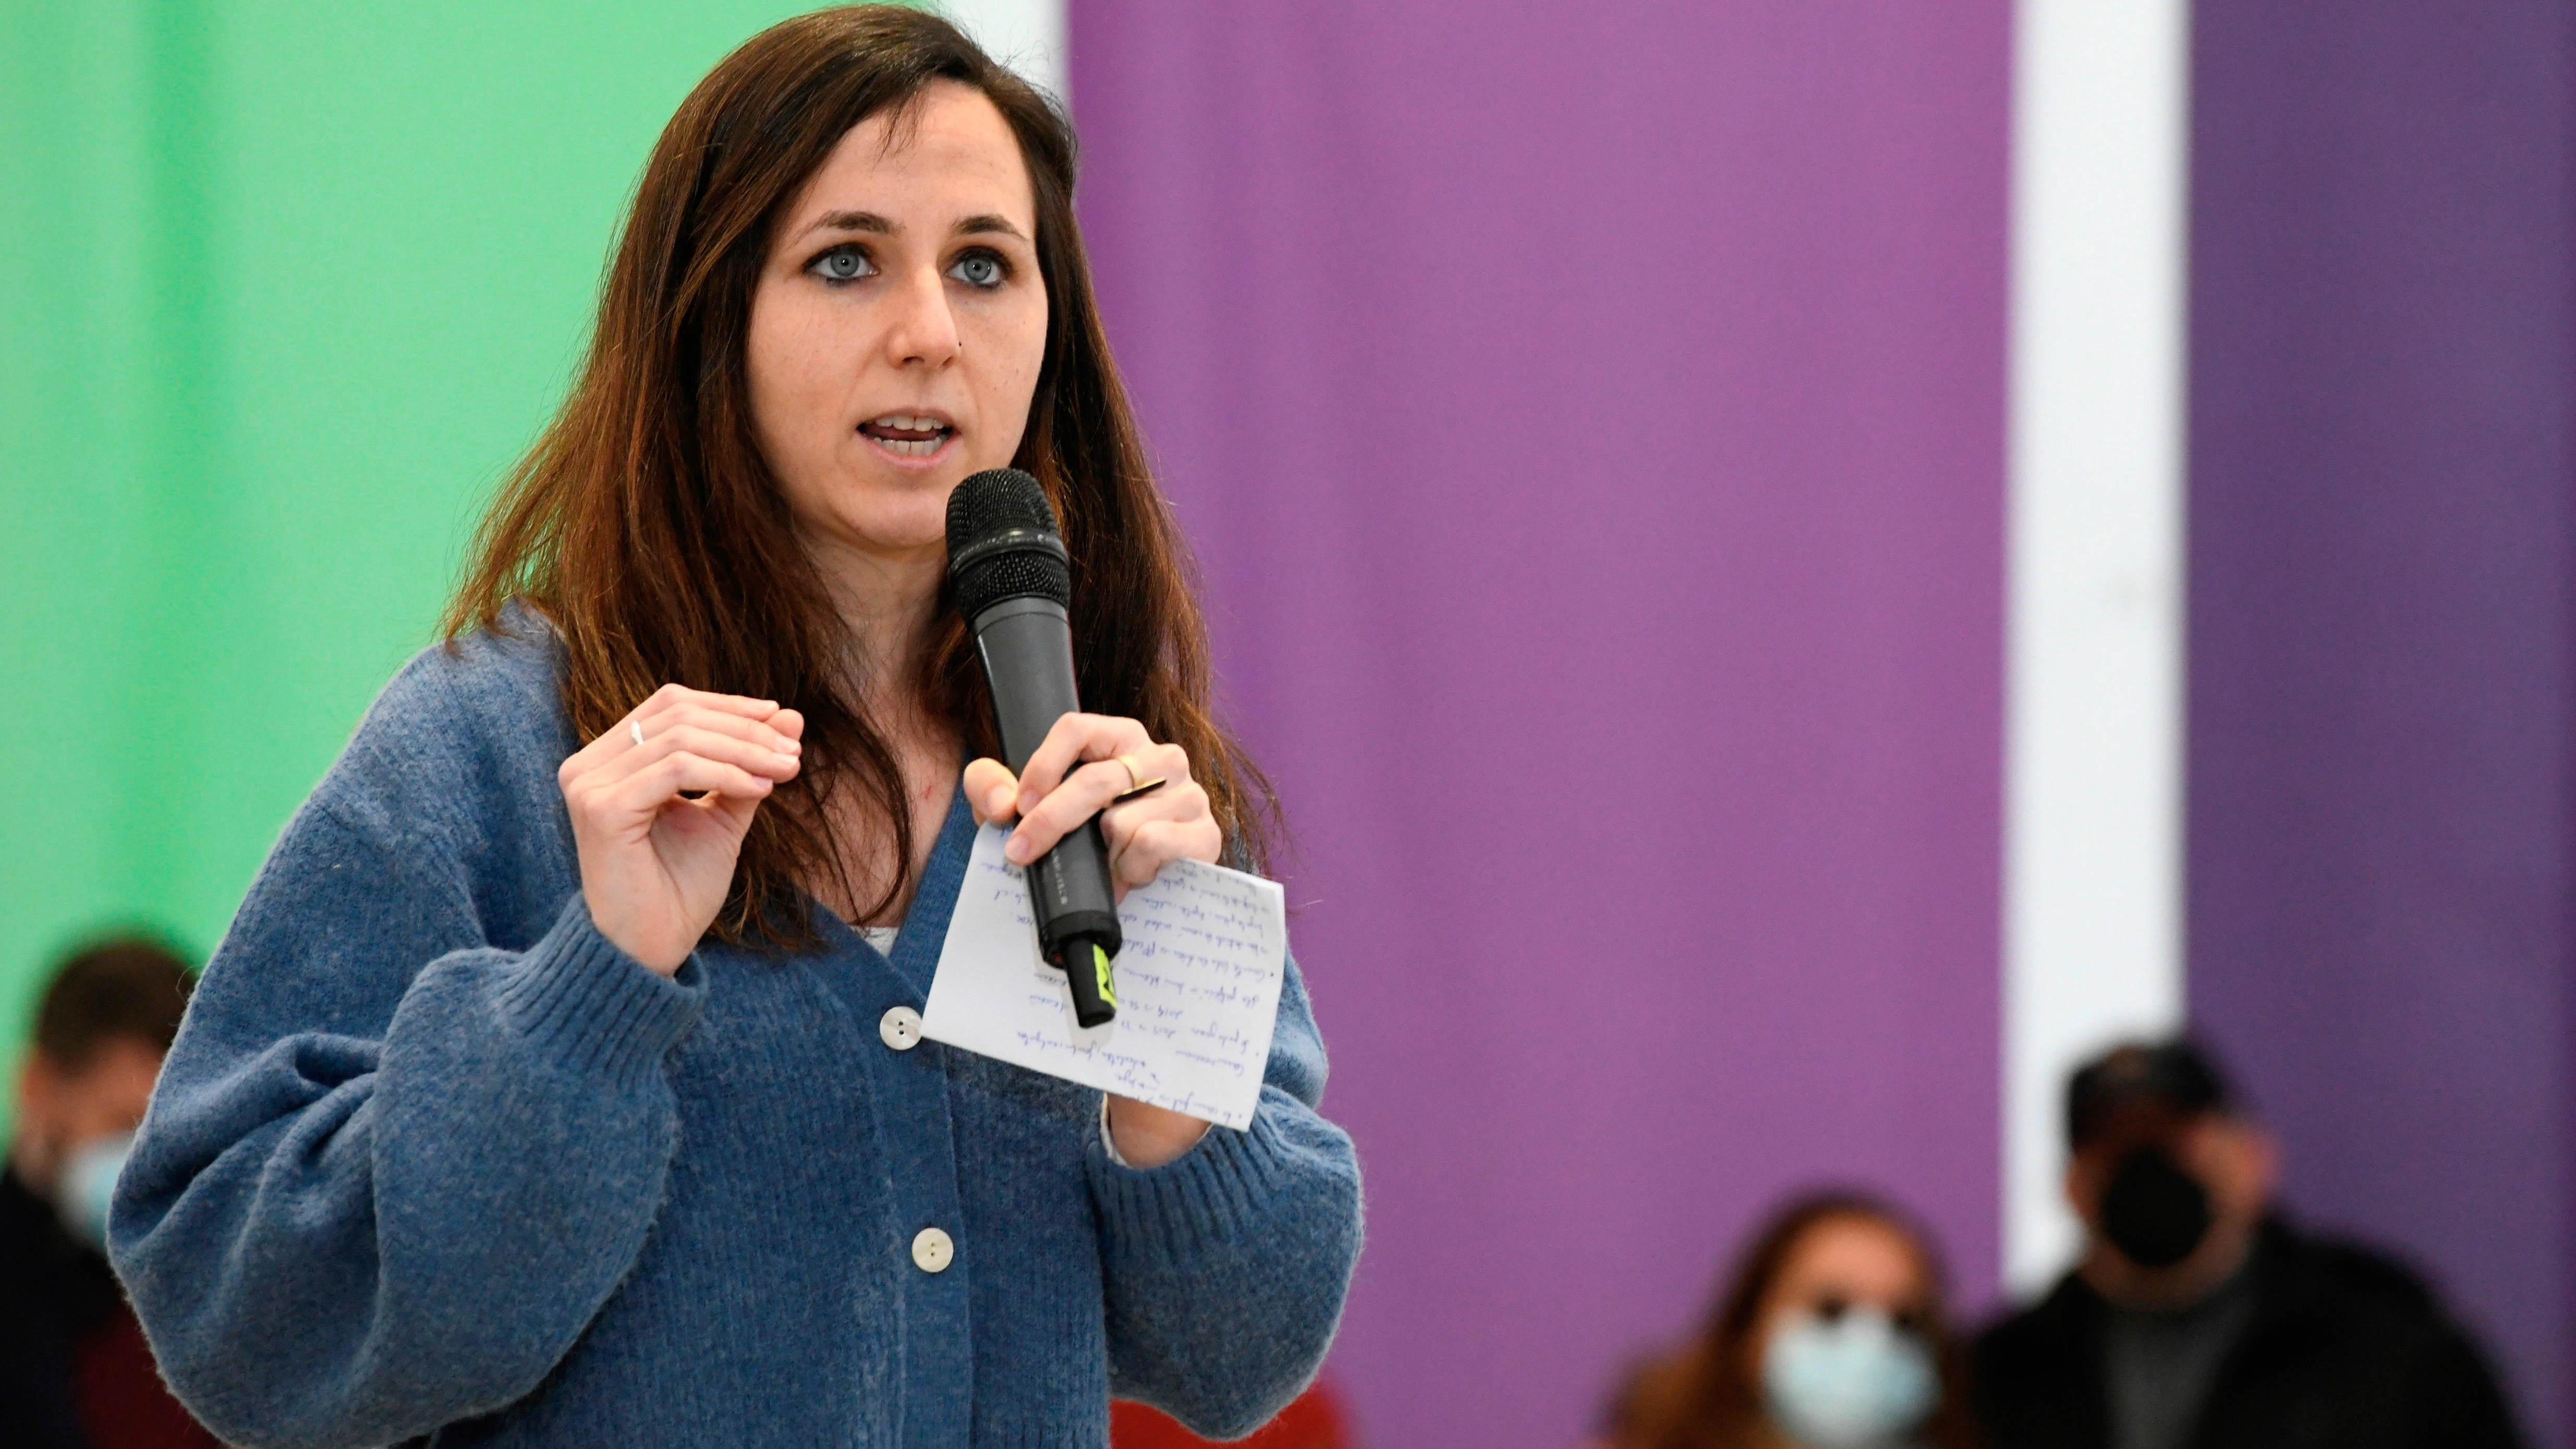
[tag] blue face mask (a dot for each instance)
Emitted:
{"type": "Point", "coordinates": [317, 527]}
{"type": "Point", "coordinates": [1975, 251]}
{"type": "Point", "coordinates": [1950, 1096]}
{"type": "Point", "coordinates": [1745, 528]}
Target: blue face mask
{"type": "Point", "coordinates": [1854, 1382]}
{"type": "Point", "coordinates": [88, 1182]}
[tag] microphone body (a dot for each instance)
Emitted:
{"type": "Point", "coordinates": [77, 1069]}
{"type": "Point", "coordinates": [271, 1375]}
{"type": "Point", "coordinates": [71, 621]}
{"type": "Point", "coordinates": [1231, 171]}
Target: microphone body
{"type": "Point", "coordinates": [1013, 583]}
{"type": "Point", "coordinates": [1027, 645]}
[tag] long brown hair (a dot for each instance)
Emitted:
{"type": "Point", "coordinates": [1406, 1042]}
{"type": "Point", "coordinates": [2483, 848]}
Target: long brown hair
{"type": "Point", "coordinates": [1709, 1395]}
{"type": "Point", "coordinates": [645, 526]}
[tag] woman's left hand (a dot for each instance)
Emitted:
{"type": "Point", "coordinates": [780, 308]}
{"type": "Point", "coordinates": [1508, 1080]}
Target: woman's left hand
{"type": "Point", "coordinates": [1087, 761]}
{"type": "Point", "coordinates": [1084, 764]}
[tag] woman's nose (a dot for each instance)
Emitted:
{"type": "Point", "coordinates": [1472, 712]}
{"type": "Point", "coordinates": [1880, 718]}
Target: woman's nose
{"type": "Point", "coordinates": [925, 330]}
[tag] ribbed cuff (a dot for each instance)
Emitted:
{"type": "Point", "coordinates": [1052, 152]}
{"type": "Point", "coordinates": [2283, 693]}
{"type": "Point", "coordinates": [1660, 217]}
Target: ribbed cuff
{"type": "Point", "coordinates": [1201, 1200]}
{"type": "Point", "coordinates": [594, 1009]}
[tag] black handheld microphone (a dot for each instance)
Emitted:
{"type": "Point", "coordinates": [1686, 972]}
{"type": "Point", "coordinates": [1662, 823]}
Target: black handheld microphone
{"type": "Point", "coordinates": [1014, 581]}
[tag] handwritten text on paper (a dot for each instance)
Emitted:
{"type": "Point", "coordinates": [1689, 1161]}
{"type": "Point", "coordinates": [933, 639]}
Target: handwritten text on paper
{"type": "Point", "coordinates": [1198, 987]}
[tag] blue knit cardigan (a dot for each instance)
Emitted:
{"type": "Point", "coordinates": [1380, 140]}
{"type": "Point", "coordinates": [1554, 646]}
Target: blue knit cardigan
{"type": "Point", "coordinates": [433, 1159]}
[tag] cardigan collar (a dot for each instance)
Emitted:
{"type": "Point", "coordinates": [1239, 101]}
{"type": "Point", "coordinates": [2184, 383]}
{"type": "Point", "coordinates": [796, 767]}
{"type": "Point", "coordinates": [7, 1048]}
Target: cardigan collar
{"type": "Point", "coordinates": [925, 927]}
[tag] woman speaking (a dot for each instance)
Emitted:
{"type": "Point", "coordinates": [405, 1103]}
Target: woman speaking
{"type": "Point", "coordinates": [560, 1079]}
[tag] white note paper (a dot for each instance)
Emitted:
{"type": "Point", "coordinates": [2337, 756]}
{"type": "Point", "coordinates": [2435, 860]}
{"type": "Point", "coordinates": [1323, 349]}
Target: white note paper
{"type": "Point", "coordinates": [1197, 981]}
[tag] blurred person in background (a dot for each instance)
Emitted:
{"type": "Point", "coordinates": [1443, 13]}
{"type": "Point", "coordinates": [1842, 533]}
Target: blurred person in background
{"type": "Point", "coordinates": [1832, 1334]}
{"type": "Point", "coordinates": [2198, 1317]}
{"type": "Point", "coordinates": [74, 1371]}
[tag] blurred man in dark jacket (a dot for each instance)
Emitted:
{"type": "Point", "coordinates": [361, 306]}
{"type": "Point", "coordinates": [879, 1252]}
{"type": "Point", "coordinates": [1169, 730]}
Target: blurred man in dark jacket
{"type": "Point", "coordinates": [74, 1370]}
{"type": "Point", "coordinates": [2198, 1319]}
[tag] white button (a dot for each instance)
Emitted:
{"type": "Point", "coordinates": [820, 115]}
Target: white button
{"type": "Point", "coordinates": [901, 1028]}
{"type": "Point", "coordinates": [931, 1250]}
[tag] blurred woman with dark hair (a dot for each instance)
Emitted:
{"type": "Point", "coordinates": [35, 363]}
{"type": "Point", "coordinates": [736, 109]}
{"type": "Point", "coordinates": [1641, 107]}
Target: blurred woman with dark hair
{"type": "Point", "coordinates": [1832, 1334]}
{"type": "Point", "coordinates": [561, 1079]}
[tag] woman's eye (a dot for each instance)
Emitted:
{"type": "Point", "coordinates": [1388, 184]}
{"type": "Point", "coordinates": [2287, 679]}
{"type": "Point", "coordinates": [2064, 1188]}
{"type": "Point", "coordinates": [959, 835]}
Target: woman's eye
{"type": "Point", "coordinates": [1831, 1310]}
{"type": "Point", "coordinates": [979, 269]}
{"type": "Point", "coordinates": [841, 264]}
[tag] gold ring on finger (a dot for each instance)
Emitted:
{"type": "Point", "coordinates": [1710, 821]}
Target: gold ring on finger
{"type": "Point", "coordinates": [1137, 784]}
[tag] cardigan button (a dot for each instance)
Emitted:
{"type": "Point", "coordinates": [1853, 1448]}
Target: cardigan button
{"type": "Point", "coordinates": [900, 1028]}
{"type": "Point", "coordinates": [932, 1250]}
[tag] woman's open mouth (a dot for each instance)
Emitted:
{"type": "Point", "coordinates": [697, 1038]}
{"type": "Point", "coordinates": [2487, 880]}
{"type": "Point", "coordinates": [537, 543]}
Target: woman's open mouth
{"type": "Point", "coordinates": [906, 435]}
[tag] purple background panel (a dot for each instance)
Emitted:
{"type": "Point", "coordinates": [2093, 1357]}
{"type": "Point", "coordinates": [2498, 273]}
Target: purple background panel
{"type": "Point", "coordinates": [1591, 419]}
{"type": "Point", "coordinates": [2382, 673]}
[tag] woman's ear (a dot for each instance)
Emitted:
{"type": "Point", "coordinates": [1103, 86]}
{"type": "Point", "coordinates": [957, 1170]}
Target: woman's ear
{"type": "Point", "coordinates": [38, 1142]}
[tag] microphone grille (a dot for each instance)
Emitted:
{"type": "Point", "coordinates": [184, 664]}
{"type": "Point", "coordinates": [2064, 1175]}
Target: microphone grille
{"type": "Point", "coordinates": [1003, 543]}
{"type": "Point", "coordinates": [996, 501]}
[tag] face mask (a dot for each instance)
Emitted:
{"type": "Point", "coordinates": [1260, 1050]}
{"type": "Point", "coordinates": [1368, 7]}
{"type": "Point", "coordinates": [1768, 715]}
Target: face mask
{"type": "Point", "coordinates": [2154, 1212]}
{"type": "Point", "coordinates": [88, 1181]}
{"type": "Point", "coordinates": [1851, 1383]}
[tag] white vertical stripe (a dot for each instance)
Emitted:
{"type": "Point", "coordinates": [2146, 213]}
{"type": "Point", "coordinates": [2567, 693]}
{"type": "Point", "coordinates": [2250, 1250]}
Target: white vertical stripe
{"type": "Point", "coordinates": [2093, 761]}
{"type": "Point", "coordinates": [1026, 35]}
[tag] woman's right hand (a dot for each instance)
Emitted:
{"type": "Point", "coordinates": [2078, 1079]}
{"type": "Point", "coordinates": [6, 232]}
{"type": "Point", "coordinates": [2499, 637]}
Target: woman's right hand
{"type": "Point", "coordinates": [656, 865]}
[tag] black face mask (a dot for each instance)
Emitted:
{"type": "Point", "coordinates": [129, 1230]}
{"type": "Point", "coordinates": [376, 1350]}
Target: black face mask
{"type": "Point", "coordinates": [2154, 1212]}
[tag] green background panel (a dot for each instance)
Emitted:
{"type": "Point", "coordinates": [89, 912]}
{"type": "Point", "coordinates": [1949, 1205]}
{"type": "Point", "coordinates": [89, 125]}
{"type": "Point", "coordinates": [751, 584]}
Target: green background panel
{"type": "Point", "coordinates": [284, 289]}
